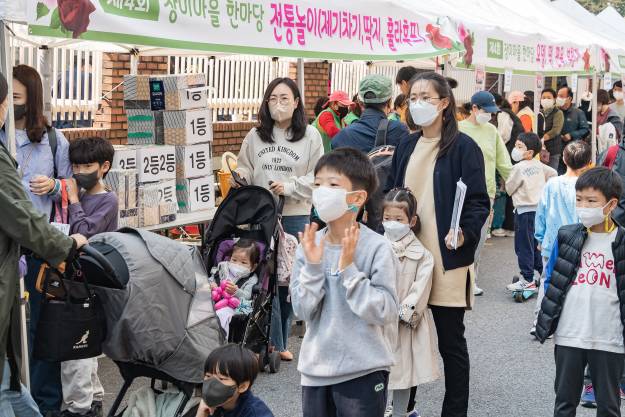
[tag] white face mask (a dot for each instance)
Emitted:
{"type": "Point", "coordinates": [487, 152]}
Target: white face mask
{"type": "Point", "coordinates": [618, 95]}
{"type": "Point", "coordinates": [281, 112]}
{"type": "Point", "coordinates": [423, 113]}
{"type": "Point", "coordinates": [330, 203]}
{"type": "Point", "coordinates": [236, 271]}
{"type": "Point", "coordinates": [590, 216]}
{"type": "Point", "coordinates": [483, 118]}
{"type": "Point", "coordinates": [395, 230]}
{"type": "Point", "coordinates": [547, 103]}
{"type": "Point", "coordinates": [560, 101]}
{"type": "Point", "coordinates": [517, 155]}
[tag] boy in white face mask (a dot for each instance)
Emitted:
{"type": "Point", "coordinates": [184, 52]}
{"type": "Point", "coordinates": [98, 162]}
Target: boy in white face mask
{"type": "Point", "coordinates": [496, 157]}
{"type": "Point", "coordinates": [416, 357]}
{"type": "Point", "coordinates": [585, 297]}
{"type": "Point", "coordinates": [343, 286]}
{"type": "Point", "coordinates": [619, 104]}
{"type": "Point", "coordinates": [525, 186]}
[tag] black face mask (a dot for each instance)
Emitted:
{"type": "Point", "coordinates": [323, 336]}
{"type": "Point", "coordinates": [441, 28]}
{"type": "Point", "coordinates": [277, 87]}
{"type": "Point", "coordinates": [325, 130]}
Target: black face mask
{"type": "Point", "coordinates": [86, 181]}
{"type": "Point", "coordinates": [215, 392]}
{"type": "Point", "coordinates": [19, 111]}
{"type": "Point", "coordinates": [343, 112]}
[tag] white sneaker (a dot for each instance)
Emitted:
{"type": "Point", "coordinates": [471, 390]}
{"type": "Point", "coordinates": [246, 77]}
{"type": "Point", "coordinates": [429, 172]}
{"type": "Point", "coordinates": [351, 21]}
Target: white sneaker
{"type": "Point", "coordinates": [499, 233]}
{"type": "Point", "coordinates": [478, 291]}
{"type": "Point", "coordinates": [389, 411]}
{"type": "Point", "coordinates": [518, 286]}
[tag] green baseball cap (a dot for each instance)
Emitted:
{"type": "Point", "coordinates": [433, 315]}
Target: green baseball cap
{"type": "Point", "coordinates": [375, 89]}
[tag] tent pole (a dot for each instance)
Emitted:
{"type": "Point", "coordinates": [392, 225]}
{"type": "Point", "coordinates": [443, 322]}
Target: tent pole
{"type": "Point", "coordinates": [134, 63]}
{"type": "Point", "coordinates": [46, 78]}
{"type": "Point", "coordinates": [301, 84]}
{"type": "Point", "coordinates": [595, 83]}
{"type": "Point", "coordinates": [6, 67]}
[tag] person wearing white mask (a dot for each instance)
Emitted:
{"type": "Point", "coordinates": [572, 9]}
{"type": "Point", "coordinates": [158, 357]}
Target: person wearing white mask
{"type": "Point", "coordinates": [550, 124]}
{"type": "Point", "coordinates": [280, 154]}
{"type": "Point", "coordinates": [585, 297]}
{"type": "Point", "coordinates": [416, 357]}
{"type": "Point", "coordinates": [431, 163]}
{"type": "Point", "coordinates": [619, 104]}
{"type": "Point", "coordinates": [576, 126]}
{"type": "Point", "coordinates": [496, 156]}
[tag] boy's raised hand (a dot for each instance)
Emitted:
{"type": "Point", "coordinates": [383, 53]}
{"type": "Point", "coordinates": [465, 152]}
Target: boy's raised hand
{"type": "Point", "coordinates": [349, 247]}
{"type": "Point", "coordinates": [312, 250]}
{"type": "Point", "coordinates": [72, 190]}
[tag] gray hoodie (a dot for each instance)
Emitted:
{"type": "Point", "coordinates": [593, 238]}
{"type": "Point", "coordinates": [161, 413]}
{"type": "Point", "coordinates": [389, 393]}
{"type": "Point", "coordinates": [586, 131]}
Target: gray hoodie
{"type": "Point", "coordinates": [351, 315]}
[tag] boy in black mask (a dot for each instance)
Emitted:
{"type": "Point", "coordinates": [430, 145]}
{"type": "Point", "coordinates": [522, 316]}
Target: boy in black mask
{"type": "Point", "coordinates": [91, 210]}
{"type": "Point", "coordinates": [230, 372]}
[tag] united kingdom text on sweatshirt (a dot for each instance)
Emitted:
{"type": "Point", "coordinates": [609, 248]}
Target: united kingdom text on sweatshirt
{"type": "Point", "coordinates": [285, 161]}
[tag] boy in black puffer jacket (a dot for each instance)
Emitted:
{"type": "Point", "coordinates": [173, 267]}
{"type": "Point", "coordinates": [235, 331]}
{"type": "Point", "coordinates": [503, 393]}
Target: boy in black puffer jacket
{"type": "Point", "coordinates": [584, 304]}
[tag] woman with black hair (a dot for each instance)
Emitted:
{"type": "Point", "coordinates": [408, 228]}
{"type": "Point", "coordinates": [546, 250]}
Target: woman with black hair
{"type": "Point", "coordinates": [431, 163]}
{"type": "Point", "coordinates": [280, 154]}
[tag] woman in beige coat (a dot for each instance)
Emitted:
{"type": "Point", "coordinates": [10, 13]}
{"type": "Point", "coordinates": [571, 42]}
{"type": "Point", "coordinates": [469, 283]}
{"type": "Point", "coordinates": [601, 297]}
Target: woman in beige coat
{"type": "Point", "coordinates": [416, 354]}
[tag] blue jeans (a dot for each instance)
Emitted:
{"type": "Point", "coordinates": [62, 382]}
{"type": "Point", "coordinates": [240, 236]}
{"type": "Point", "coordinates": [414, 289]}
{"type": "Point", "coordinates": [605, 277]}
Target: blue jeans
{"type": "Point", "coordinates": [45, 377]}
{"type": "Point", "coordinates": [14, 403]}
{"type": "Point", "coordinates": [281, 309]}
{"type": "Point", "coordinates": [526, 246]}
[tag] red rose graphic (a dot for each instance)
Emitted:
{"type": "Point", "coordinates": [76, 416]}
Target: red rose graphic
{"type": "Point", "coordinates": [438, 40]}
{"type": "Point", "coordinates": [74, 15]}
{"type": "Point", "coordinates": [468, 46]}
{"type": "Point", "coordinates": [586, 59]}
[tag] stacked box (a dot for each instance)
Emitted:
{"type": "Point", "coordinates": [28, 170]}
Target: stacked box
{"type": "Point", "coordinates": [148, 206]}
{"type": "Point", "coordinates": [182, 92]}
{"type": "Point", "coordinates": [158, 199]}
{"type": "Point", "coordinates": [123, 182]}
{"type": "Point", "coordinates": [156, 163]}
{"type": "Point", "coordinates": [128, 218]}
{"type": "Point", "coordinates": [195, 194]}
{"type": "Point", "coordinates": [188, 127]}
{"type": "Point", "coordinates": [125, 157]}
{"type": "Point", "coordinates": [193, 161]}
{"type": "Point", "coordinates": [145, 127]}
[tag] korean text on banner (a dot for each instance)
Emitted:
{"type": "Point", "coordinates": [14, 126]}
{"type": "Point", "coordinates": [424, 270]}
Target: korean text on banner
{"type": "Point", "coordinates": [357, 29]}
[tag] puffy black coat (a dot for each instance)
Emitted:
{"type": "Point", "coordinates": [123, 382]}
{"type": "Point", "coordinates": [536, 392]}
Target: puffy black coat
{"type": "Point", "coordinates": [571, 240]}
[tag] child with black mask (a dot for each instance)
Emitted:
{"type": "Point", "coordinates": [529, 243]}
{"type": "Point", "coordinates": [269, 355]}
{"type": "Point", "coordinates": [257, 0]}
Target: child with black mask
{"type": "Point", "coordinates": [229, 373]}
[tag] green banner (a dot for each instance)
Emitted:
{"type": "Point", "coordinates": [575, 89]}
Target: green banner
{"type": "Point", "coordinates": [145, 10]}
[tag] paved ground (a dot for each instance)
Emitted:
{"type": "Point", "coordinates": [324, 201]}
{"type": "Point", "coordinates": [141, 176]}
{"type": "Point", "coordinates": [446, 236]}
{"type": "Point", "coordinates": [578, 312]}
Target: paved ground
{"type": "Point", "coordinates": [511, 374]}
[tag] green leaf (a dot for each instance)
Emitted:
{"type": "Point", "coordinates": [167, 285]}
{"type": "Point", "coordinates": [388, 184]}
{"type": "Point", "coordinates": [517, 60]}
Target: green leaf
{"type": "Point", "coordinates": [55, 20]}
{"type": "Point", "coordinates": [42, 10]}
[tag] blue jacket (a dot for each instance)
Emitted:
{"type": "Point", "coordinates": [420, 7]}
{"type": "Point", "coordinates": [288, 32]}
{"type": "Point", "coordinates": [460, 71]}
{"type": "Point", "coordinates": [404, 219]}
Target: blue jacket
{"type": "Point", "coordinates": [248, 405]}
{"type": "Point", "coordinates": [361, 134]}
{"type": "Point", "coordinates": [464, 160]}
{"type": "Point", "coordinates": [575, 123]}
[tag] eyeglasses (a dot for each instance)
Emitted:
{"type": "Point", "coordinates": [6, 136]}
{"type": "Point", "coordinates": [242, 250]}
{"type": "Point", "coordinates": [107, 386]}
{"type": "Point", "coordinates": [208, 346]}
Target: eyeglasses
{"type": "Point", "coordinates": [281, 100]}
{"type": "Point", "coordinates": [414, 99]}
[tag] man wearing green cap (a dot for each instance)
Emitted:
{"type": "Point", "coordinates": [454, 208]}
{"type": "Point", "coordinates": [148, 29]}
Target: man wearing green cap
{"type": "Point", "coordinates": [376, 92]}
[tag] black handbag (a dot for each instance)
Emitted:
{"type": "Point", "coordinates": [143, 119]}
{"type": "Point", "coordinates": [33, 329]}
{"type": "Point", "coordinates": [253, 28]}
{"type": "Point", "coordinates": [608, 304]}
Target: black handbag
{"type": "Point", "coordinates": [69, 328]}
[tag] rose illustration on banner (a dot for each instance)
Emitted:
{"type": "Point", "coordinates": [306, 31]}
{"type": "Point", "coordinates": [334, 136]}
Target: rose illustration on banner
{"type": "Point", "coordinates": [69, 15]}
{"type": "Point", "coordinates": [467, 39]}
{"type": "Point", "coordinates": [586, 59]}
{"type": "Point", "coordinates": [605, 57]}
{"type": "Point", "coordinates": [439, 40]}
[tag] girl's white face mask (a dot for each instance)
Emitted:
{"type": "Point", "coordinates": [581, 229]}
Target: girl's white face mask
{"type": "Point", "coordinates": [395, 230]}
{"type": "Point", "coordinates": [423, 113]}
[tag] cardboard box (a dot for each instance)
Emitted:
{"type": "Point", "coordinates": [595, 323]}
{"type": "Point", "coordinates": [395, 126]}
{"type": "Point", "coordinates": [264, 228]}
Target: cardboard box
{"type": "Point", "coordinates": [145, 127]}
{"type": "Point", "coordinates": [123, 182]}
{"type": "Point", "coordinates": [193, 161]}
{"type": "Point", "coordinates": [128, 218]}
{"type": "Point", "coordinates": [188, 127]}
{"type": "Point", "coordinates": [125, 157]}
{"type": "Point", "coordinates": [156, 163]}
{"type": "Point", "coordinates": [181, 92]}
{"type": "Point", "coordinates": [195, 194]}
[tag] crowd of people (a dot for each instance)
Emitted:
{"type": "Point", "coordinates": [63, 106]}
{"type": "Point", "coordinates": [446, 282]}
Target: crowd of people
{"type": "Point", "coordinates": [379, 277]}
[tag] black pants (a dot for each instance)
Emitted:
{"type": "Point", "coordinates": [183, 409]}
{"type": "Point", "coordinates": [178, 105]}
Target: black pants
{"type": "Point", "coordinates": [360, 397]}
{"type": "Point", "coordinates": [606, 369]}
{"type": "Point", "coordinates": [452, 346]}
{"type": "Point", "coordinates": [508, 221]}
{"type": "Point", "coordinates": [526, 246]}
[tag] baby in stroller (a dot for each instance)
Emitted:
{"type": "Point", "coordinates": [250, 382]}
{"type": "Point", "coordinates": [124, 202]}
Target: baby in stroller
{"type": "Point", "coordinates": [232, 282]}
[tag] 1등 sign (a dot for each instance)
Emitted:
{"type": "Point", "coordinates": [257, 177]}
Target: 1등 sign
{"type": "Point", "coordinates": [188, 127]}
{"type": "Point", "coordinates": [196, 194]}
{"type": "Point", "coordinates": [193, 161]}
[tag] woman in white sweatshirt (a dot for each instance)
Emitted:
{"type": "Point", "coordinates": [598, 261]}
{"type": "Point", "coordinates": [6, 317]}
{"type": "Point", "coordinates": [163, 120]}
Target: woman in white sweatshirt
{"type": "Point", "coordinates": [280, 154]}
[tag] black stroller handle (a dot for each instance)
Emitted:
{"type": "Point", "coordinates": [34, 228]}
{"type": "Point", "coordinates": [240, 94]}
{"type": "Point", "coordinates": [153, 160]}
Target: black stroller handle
{"type": "Point", "coordinates": [106, 265]}
{"type": "Point", "coordinates": [280, 204]}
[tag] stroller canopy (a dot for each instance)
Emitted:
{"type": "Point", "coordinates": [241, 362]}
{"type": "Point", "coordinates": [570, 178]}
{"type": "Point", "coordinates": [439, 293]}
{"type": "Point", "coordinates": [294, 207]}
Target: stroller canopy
{"type": "Point", "coordinates": [164, 317]}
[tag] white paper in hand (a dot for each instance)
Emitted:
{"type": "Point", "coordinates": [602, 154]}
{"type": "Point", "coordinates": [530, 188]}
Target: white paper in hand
{"type": "Point", "coordinates": [461, 191]}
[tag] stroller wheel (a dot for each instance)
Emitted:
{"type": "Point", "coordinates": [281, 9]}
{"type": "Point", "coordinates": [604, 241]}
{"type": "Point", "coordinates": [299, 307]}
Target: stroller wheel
{"type": "Point", "coordinates": [274, 362]}
{"type": "Point", "coordinates": [262, 355]}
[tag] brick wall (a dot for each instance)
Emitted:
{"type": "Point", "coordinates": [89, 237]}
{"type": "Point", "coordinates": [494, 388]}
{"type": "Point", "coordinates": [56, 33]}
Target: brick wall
{"type": "Point", "coordinates": [228, 136]}
{"type": "Point", "coordinates": [111, 115]}
{"type": "Point", "coordinates": [73, 134]}
{"type": "Point", "coordinates": [316, 80]}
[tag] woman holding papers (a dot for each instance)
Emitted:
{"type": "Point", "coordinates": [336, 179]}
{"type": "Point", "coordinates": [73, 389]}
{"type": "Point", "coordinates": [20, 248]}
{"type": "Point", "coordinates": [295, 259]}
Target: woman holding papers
{"type": "Point", "coordinates": [431, 163]}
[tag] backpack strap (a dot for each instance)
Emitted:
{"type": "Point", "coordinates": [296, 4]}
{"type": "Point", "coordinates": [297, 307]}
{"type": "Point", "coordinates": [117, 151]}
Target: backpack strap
{"type": "Point", "coordinates": [54, 143]}
{"type": "Point", "coordinates": [380, 137]}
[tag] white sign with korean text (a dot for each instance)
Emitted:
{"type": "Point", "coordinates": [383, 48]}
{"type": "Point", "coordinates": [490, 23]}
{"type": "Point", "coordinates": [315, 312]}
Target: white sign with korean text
{"type": "Point", "coordinates": [201, 193]}
{"type": "Point", "coordinates": [199, 126]}
{"type": "Point", "coordinates": [167, 191]}
{"type": "Point", "coordinates": [156, 163]}
{"type": "Point", "coordinates": [197, 160]}
{"type": "Point", "coordinates": [607, 81]}
{"type": "Point", "coordinates": [125, 158]}
{"type": "Point", "coordinates": [507, 83]}
{"type": "Point", "coordinates": [193, 98]}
